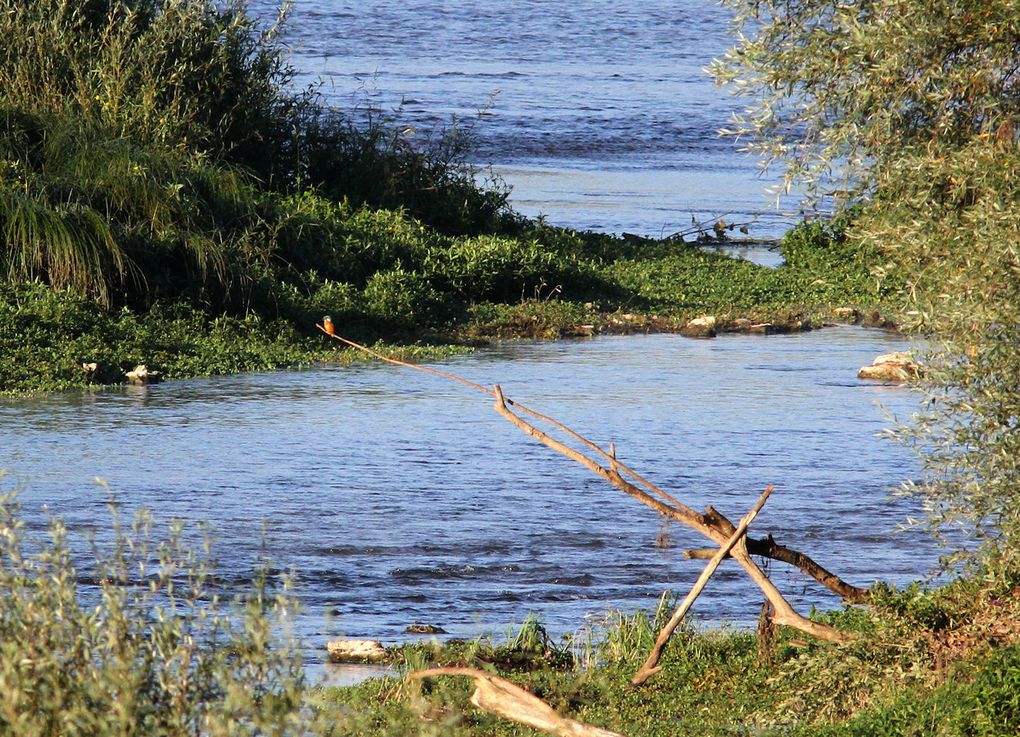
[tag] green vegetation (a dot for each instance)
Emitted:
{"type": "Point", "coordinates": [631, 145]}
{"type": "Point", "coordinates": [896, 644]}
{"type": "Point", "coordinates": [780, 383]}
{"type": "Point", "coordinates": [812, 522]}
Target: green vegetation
{"type": "Point", "coordinates": [914, 105]}
{"type": "Point", "coordinates": [926, 663]}
{"type": "Point", "coordinates": [191, 212]}
{"type": "Point", "coordinates": [167, 199]}
{"type": "Point", "coordinates": [821, 270]}
{"type": "Point", "coordinates": [140, 642]}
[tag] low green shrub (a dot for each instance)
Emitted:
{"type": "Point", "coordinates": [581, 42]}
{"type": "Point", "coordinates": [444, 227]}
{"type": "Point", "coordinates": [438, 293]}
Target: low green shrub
{"type": "Point", "coordinates": [138, 642]}
{"type": "Point", "coordinates": [46, 337]}
{"type": "Point", "coordinates": [403, 298]}
{"type": "Point", "coordinates": [981, 699]}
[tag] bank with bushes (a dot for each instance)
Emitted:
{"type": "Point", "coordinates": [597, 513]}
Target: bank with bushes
{"type": "Point", "coordinates": [166, 198]}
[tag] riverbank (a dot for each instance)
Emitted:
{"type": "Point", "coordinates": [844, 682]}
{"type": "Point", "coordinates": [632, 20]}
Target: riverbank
{"type": "Point", "coordinates": [417, 292]}
{"type": "Point", "coordinates": [935, 662]}
{"type": "Point", "coordinates": [177, 232]}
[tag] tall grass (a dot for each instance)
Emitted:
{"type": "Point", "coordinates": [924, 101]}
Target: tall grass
{"type": "Point", "coordinates": [149, 150]}
{"type": "Point", "coordinates": [84, 208]}
{"type": "Point", "coordinates": [206, 77]}
{"type": "Point", "coordinates": [181, 73]}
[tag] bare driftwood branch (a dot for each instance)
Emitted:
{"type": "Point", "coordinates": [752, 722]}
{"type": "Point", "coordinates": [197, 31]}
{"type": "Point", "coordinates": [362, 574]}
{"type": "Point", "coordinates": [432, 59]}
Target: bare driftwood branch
{"type": "Point", "coordinates": [651, 665]}
{"type": "Point", "coordinates": [502, 698]}
{"type": "Point", "coordinates": [712, 524]}
{"type": "Point", "coordinates": [785, 613]}
{"type": "Point", "coordinates": [768, 548]}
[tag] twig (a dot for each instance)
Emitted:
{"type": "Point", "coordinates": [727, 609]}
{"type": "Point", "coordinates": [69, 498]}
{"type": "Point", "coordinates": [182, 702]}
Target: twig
{"type": "Point", "coordinates": [526, 410]}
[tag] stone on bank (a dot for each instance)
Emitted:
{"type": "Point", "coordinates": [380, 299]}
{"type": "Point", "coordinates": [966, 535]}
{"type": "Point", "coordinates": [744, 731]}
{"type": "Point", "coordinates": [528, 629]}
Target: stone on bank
{"type": "Point", "coordinates": [356, 651]}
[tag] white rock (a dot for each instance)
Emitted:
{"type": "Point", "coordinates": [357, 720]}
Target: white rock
{"type": "Point", "coordinates": [700, 327]}
{"type": "Point", "coordinates": [356, 651]}
{"type": "Point", "coordinates": [142, 375]}
{"type": "Point", "coordinates": [895, 367]}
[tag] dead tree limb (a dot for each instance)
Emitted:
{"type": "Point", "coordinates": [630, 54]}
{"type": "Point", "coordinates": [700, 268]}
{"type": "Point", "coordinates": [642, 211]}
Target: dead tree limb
{"type": "Point", "coordinates": [508, 700]}
{"type": "Point", "coordinates": [785, 614]}
{"type": "Point", "coordinates": [651, 665]}
{"type": "Point", "coordinates": [712, 524]}
{"type": "Point", "coordinates": [768, 548]}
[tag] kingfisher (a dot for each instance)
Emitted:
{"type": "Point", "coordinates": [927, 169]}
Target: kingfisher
{"type": "Point", "coordinates": [327, 324]}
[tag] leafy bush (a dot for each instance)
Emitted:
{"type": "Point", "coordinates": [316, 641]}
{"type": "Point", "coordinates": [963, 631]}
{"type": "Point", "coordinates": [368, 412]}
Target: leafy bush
{"type": "Point", "coordinates": [141, 643]}
{"type": "Point", "coordinates": [914, 107]}
{"type": "Point", "coordinates": [402, 297]}
{"type": "Point", "coordinates": [505, 270]}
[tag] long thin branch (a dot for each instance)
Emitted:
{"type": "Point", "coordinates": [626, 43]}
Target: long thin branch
{"type": "Point", "coordinates": [785, 614]}
{"type": "Point", "coordinates": [769, 548]}
{"type": "Point", "coordinates": [526, 410]}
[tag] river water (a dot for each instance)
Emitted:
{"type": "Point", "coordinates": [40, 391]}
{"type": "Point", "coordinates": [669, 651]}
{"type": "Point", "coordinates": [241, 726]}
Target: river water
{"type": "Point", "coordinates": [399, 497]}
{"type": "Point", "coordinates": [597, 112]}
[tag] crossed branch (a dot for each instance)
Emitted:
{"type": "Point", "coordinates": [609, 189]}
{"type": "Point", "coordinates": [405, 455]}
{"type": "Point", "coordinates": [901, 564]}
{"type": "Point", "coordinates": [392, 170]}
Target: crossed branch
{"type": "Point", "coordinates": [732, 539]}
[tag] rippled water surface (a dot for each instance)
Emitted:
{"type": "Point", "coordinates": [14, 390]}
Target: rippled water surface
{"type": "Point", "coordinates": [400, 497]}
{"type": "Point", "coordinates": [598, 112]}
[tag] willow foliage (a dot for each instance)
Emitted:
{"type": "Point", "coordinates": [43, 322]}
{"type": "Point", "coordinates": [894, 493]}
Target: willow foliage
{"type": "Point", "coordinates": [140, 640]}
{"type": "Point", "coordinates": [912, 107]}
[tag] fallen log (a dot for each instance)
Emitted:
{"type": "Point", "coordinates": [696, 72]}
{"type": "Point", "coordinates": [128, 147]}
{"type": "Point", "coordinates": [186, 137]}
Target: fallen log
{"type": "Point", "coordinates": [508, 700]}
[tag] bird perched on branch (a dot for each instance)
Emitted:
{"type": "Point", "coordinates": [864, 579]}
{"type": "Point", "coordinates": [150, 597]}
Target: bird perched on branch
{"type": "Point", "coordinates": [327, 324]}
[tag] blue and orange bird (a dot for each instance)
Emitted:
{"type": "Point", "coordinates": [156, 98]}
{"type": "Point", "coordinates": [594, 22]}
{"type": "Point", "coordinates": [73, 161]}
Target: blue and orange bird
{"type": "Point", "coordinates": [327, 325]}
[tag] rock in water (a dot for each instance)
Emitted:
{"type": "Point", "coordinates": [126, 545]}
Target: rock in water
{"type": "Point", "coordinates": [356, 651]}
{"type": "Point", "coordinates": [142, 375]}
{"type": "Point", "coordinates": [895, 367]}
{"type": "Point", "coordinates": [424, 629]}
